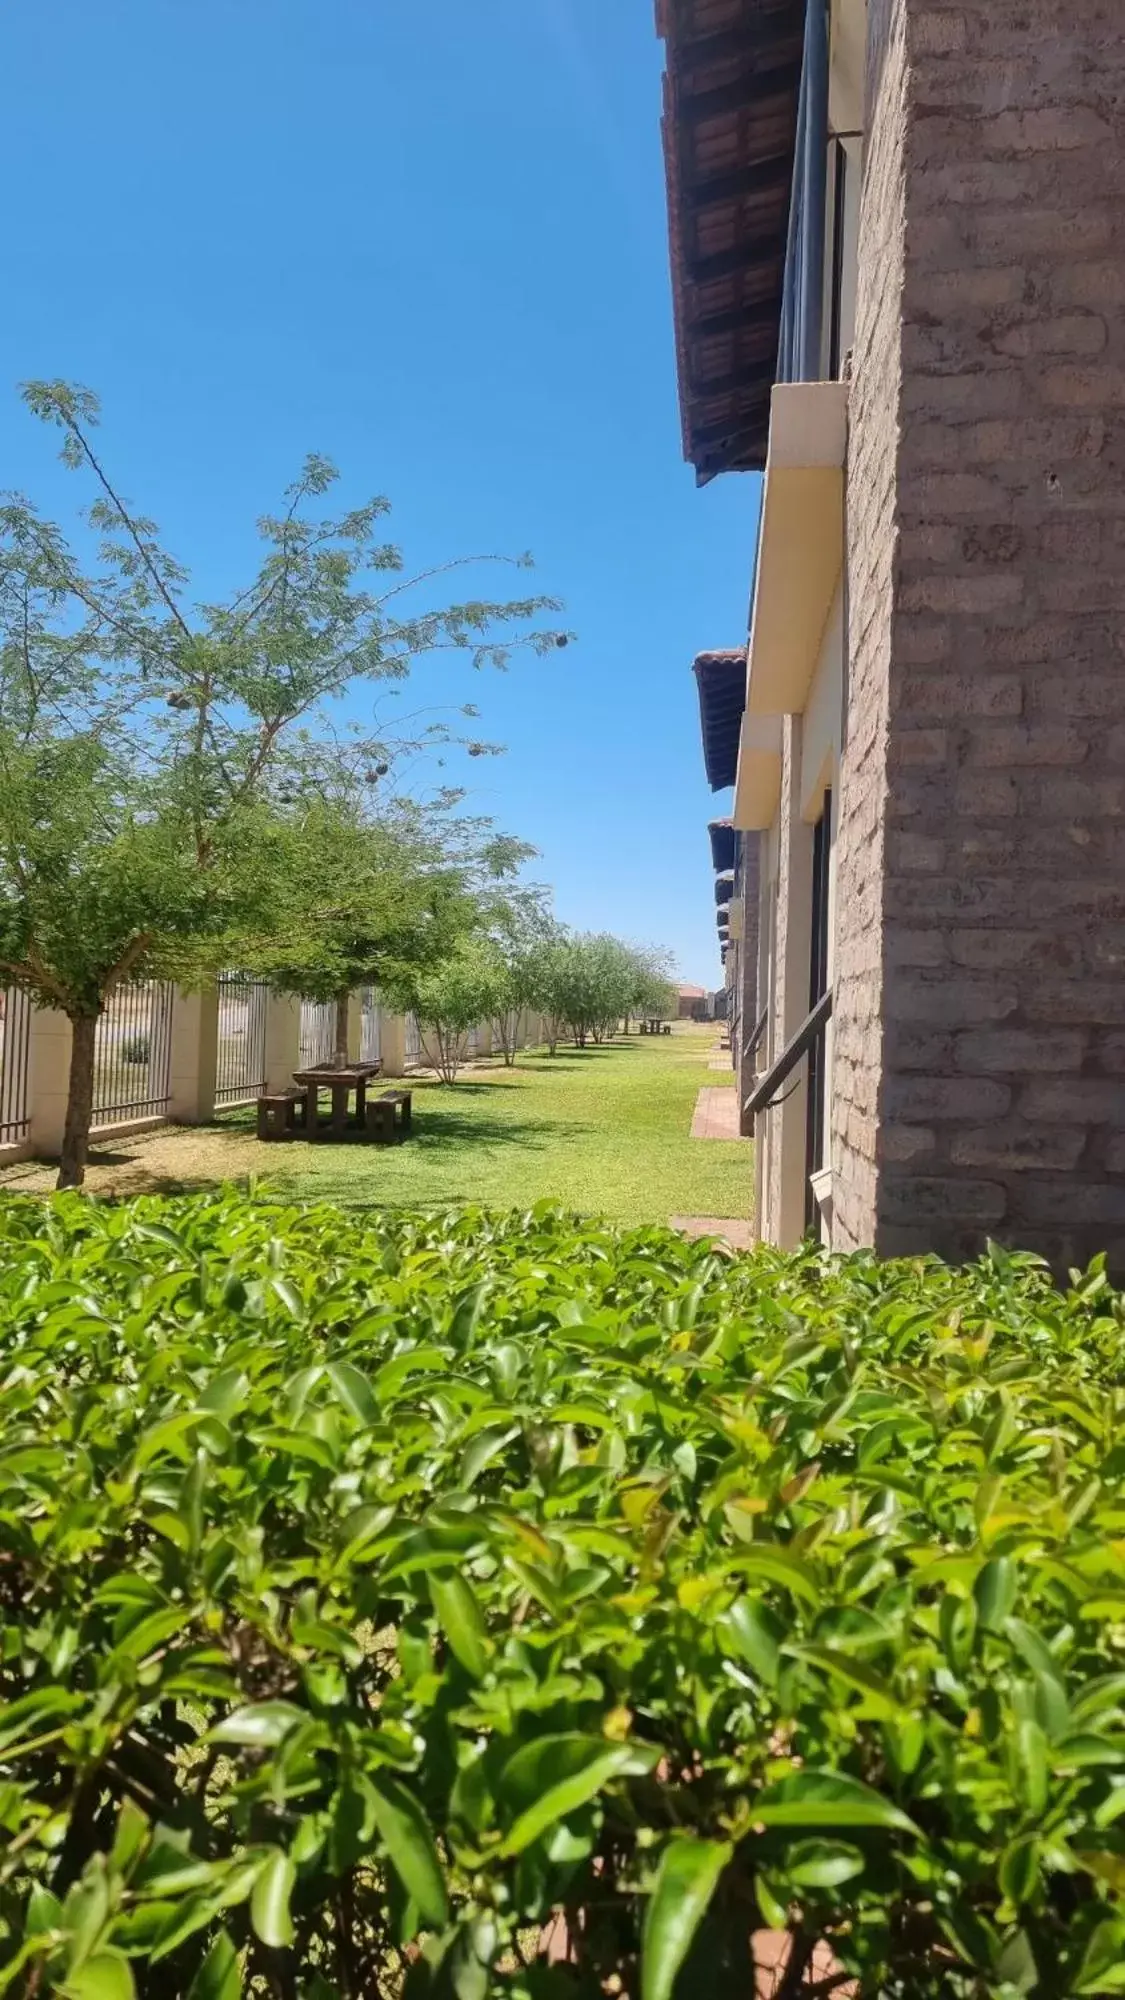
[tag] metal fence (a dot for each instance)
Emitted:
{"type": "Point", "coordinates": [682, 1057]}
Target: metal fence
{"type": "Point", "coordinates": [133, 1054]}
{"type": "Point", "coordinates": [473, 1042]}
{"type": "Point", "coordinates": [371, 1038]}
{"type": "Point", "coordinates": [240, 1074]}
{"type": "Point", "coordinates": [413, 1039]}
{"type": "Point", "coordinates": [318, 1032]}
{"type": "Point", "coordinates": [15, 1050]}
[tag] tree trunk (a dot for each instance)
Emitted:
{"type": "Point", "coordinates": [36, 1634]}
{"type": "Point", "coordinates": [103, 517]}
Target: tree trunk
{"type": "Point", "coordinates": [79, 1102]}
{"type": "Point", "coordinates": [343, 1009]}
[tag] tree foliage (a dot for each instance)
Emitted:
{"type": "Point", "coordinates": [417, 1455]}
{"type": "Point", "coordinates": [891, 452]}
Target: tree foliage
{"type": "Point", "coordinates": [593, 982]}
{"type": "Point", "coordinates": [380, 1608]}
{"type": "Point", "coordinates": [143, 735]}
{"type": "Point", "coordinates": [522, 933]}
{"type": "Point", "coordinates": [457, 995]}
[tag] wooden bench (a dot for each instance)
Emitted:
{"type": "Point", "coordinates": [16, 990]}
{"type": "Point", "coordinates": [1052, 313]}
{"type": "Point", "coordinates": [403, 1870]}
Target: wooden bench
{"type": "Point", "coordinates": [281, 1113]}
{"type": "Point", "coordinates": [389, 1117]}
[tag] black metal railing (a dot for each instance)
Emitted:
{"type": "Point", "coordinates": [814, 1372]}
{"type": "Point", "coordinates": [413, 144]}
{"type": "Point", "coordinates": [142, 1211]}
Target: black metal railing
{"type": "Point", "coordinates": [133, 1054]}
{"type": "Point", "coordinates": [753, 1041]}
{"type": "Point", "coordinates": [15, 1053]}
{"type": "Point", "coordinates": [773, 1082]}
{"type": "Point", "coordinates": [240, 1074]}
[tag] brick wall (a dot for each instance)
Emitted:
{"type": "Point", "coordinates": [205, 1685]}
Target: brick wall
{"type": "Point", "coordinates": [983, 1019]}
{"type": "Point", "coordinates": [750, 1006]}
{"type": "Point", "coordinates": [872, 537]}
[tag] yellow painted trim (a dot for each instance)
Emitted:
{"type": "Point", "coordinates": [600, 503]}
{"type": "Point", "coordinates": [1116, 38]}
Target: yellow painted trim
{"type": "Point", "coordinates": [757, 785]}
{"type": "Point", "coordinates": [801, 550]}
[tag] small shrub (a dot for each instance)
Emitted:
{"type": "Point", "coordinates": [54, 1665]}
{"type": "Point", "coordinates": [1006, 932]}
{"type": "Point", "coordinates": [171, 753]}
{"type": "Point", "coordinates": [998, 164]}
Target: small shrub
{"type": "Point", "coordinates": [366, 1599]}
{"type": "Point", "coordinates": [135, 1048]}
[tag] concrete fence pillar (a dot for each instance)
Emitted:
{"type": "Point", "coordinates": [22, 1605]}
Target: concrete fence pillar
{"type": "Point", "coordinates": [283, 1040]}
{"type": "Point", "coordinates": [355, 1026]}
{"type": "Point", "coordinates": [393, 1044]}
{"type": "Point", "coordinates": [47, 1081]}
{"type": "Point", "coordinates": [484, 1039]}
{"type": "Point", "coordinates": [195, 1056]}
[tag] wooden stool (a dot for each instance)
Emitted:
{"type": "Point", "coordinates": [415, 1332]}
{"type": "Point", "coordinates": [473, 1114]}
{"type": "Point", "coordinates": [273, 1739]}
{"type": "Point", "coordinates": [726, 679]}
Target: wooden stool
{"type": "Point", "coordinates": [280, 1112]}
{"type": "Point", "coordinates": [389, 1117]}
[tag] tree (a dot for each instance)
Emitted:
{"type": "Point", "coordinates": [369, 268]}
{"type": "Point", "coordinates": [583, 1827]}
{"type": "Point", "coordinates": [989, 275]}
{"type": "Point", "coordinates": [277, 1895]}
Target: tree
{"type": "Point", "coordinates": [589, 981]}
{"type": "Point", "coordinates": [142, 734]}
{"type": "Point", "coordinates": [651, 994]}
{"type": "Point", "coordinates": [522, 931]}
{"type": "Point", "coordinates": [450, 1000]}
{"type": "Point", "coordinates": [359, 901]}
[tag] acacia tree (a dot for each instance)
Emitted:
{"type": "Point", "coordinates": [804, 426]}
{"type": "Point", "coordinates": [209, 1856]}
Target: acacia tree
{"type": "Point", "coordinates": [589, 983]}
{"type": "Point", "coordinates": [373, 896]}
{"type": "Point", "coordinates": [450, 1000]}
{"type": "Point", "coordinates": [141, 731]}
{"type": "Point", "coordinates": [522, 931]}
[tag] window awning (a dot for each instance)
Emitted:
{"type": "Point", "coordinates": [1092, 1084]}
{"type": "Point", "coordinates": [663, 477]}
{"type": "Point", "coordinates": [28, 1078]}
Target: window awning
{"type": "Point", "coordinates": [723, 845]}
{"type": "Point", "coordinates": [731, 89]}
{"type": "Point", "coordinates": [721, 681]}
{"type": "Point", "coordinates": [724, 886]}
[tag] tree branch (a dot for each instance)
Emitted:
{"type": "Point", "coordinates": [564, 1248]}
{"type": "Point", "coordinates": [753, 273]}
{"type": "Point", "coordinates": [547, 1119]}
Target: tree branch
{"type": "Point", "coordinates": [126, 519]}
{"type": "Point", "coordinates": [130, 957]}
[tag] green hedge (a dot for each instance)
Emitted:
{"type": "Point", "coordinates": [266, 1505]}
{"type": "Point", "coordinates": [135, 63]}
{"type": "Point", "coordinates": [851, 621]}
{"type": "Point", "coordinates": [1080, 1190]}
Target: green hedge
{"type": "Point", "coordinates": [369, 1595]}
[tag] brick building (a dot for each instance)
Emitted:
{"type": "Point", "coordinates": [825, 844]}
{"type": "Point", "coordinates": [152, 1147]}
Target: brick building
{"type": "Point", "coordinates": [898, 253]}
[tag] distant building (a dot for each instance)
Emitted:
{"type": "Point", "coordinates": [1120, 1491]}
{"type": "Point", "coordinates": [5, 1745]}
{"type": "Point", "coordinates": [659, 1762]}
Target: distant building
{"type": "Point", "coordinates": [692, 1003]}
{"type": "Point", "coordinates": [898, 267]}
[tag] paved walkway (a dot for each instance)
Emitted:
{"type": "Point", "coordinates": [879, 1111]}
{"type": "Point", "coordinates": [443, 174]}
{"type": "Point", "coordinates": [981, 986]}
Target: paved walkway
{"type": "Point", "coordinates": [740, 1235]}
{"type": "Point", "coordinates": [716, 1114]}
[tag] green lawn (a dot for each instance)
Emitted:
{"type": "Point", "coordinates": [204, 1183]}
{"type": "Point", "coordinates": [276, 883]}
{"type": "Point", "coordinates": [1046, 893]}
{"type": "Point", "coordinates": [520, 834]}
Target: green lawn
{"type": "Point", "coordinates": [604, 1130]}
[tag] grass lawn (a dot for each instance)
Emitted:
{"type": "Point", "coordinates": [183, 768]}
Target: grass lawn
{"type": "Point", "coordinates": [604, 1130]}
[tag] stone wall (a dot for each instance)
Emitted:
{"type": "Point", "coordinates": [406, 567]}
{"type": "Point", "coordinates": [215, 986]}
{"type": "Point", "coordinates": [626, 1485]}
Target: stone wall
{"type": "Point", "coordinates": [872, 544]}
{"type": "Point", "coordinates": [749, 1003]}
{"type": "Point", "coordinates": [980, 1024]}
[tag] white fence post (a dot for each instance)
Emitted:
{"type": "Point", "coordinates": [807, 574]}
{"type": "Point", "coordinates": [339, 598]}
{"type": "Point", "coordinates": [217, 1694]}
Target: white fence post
{"type": "Point", "coordinates": [195, 1056]}
{"type": "Point", "coordinates": [283, 1040]}
{"type": "Point", "coordinates": [393, 1044]}
{"type": "Point", "coordinates": [47, 1082]}
{"type": "Point", "coordinates": [355, 1025]}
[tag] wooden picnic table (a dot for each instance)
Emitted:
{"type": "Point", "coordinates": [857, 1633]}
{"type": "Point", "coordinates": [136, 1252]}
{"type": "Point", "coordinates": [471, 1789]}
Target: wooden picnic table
{"type": "Point", "coordinates": [341, 1081]}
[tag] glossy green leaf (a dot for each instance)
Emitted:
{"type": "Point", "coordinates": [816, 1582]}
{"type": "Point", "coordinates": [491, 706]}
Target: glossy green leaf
{"type": "Point", "coordinates": [822, 1864]}
{"type": "Point", "coordinates": [459, 1616]}
{"type": "Point", "coordinates": [1103, 1967]}
{"type": "Point", "coordinates": [409, 1842]}
{"type": "Point", "coordinates": [995, 1591]}
{"type": "Point", "coordinates": [686, 1880]}
{"type": "Point", "coordinates": [220, 1975]}
{"type": "Point", "coordinates": [752, 1632]}
{"type": "Point", "coordinates": [354, 1392]}
{"type": "Point", "coordinates": [270, 1898]}
{"type": "Point", "coordinates": [825, 1798]}
{"type": "Point", "coordinates": [261, 1727]}
{"type": "Point", "coordinates": [552, 1776]}
{"type": "Point", "coordinates": [105, 1975]}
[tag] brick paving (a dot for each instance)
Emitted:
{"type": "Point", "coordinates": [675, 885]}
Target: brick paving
{"type": "Point", "coordinates": [716, 1115]}
{"type": "Point", "coordinates": [739, 1234]}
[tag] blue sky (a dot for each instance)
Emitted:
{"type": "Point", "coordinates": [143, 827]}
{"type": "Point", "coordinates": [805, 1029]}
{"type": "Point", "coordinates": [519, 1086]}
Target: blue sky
{"type": "Point", "coordinates": [428, 239]}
